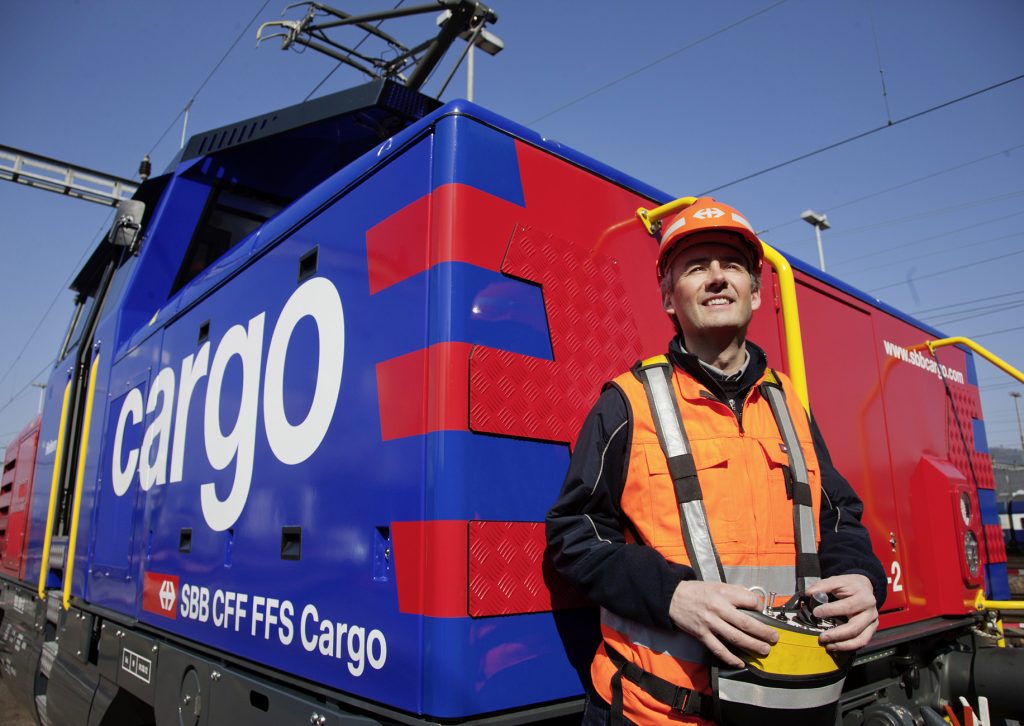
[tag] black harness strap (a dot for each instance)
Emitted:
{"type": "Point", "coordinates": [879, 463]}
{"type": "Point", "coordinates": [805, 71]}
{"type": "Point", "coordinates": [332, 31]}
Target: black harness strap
{"type": "Point", "coordinates": [684, 700]}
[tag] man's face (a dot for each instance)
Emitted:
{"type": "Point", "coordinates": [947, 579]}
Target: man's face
{"type": "Point", "coordinates": [712, 290]}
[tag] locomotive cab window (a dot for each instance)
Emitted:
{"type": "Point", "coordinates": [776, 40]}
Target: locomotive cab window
{"type": "Point", "coordinates": [232, 213]}
{"type": "Point", "coordinates": [71, 338]}
{"type": "Point", "coordinates": [87, 285]}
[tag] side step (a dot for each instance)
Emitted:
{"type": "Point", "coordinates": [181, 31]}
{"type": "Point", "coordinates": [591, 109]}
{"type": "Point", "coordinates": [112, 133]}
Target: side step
{"type": "Point", "coordinates": [41, 710]}
{"type": "Point", "coordinates": [47, 657]}
{"type": "Point", "coordinates": [53, 603]}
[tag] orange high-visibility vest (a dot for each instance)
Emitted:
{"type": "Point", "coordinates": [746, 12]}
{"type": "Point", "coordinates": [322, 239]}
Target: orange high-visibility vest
{"type": "Point", "coordinates": [743, 480]}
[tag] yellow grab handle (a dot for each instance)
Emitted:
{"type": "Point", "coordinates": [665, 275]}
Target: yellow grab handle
{"type": "Point", "coordinates": [983, 352]}
{"type": "Point", "coordinates": [69, 559]}
{"type": "Point", "coordinates": [790, 323]}
{"type": "Point", "coordinates": [651, 217]}
{"type": "Point", "coordinates": [52, 508]}
{"type": "Point", "coordinates": [980, 603]}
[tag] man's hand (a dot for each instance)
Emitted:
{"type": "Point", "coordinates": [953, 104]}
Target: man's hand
{"type": "Point", "coordinates": [712, 613]}
{"type": "Point", "coordinates": [856, 602]}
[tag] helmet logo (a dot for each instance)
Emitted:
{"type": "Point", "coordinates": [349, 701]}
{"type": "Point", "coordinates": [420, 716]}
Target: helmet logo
{"type": "Point", "coordinates": [709, 213]}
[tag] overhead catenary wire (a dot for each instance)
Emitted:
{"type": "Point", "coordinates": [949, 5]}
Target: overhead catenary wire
{"type": "Point", "coordinates": [21, 391]}
{"type": "Point", "coordinates": [56, 297]}
{"type": "Point", "coordinates": [902, 185]}
{"type": "Point", "coordinates": [973, 313]}
{"type": "Point", "coordinates": [863, 134]}
{"type": "Point", "coordinates": [998, 332]}
{"type": "Point", "coordinates": [994, 379]}
{"type": "Point", "coordinates": [209, 75]}
{"type": "Point", "coordinates": [662, 59]}
{"type": "Point", "coordinates": [878, 56]}
{"type": "Point", "coordinates": [1000, 384]}
{"type": "Point", "coordinates": [998, 420]}
{"type": "Point", "coordinates": [993, 375]}
{"type": "Point", "coordinates": [948, 270]}
{"type": "Point", "coordinates": [917, 313]}
{"type": "Point", "coordinates": [932, 253]}
{"type": "Point", "coordinates": [929, 238]}
{"type": "Point", "coordinates": [929, 214]}
{"type": "Point", "coordinates": [6, 438]}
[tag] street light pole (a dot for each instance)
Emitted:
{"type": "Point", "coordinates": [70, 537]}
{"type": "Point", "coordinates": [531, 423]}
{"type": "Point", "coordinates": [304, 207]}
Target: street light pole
{"type": "Point", "coordinates": [819, 222]}
{"type": "Point", "coordinates": [1016, 405]}
{"type": "Point", "coordinates": [42, 390]}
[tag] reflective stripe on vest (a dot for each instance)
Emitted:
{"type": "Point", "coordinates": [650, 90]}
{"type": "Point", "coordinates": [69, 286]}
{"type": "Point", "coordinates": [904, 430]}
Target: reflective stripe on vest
{"type": "Point", "coordinates": [675, 643]}
{"type": "Point", "coordinates": [657, 378]}
{"type": "Point", "coordinates": [656, 374]}
{"type": "Point", "coordinates": [773, 579]}
{"type": "Point", "coordinates": [804, 529]}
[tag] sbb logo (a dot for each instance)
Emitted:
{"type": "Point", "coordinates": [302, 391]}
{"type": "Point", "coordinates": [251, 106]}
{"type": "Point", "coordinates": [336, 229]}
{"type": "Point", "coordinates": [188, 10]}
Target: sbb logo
{"type": "Point", "coordinates": [160, 594]}
{"type": "Point", "coordinates": [167, 595]}
{"type": "Point", "coordinates": [709, 213]}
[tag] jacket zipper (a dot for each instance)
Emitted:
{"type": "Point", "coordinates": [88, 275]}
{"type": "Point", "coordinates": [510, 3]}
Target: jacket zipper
{"type": "Point", "coordinates": [729, 404]}
{"type": "Point", "coordinates": [738, 413]}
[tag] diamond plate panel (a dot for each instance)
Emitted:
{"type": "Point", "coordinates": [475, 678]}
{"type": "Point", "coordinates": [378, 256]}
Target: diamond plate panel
{"type": "Point", "coordinates": [968, 406]}
{"type": "Point", "coordinates": [593, 338]}
{"type": "Point", "coordinates": [995, 543]}
{"type": "Point", "coordinates": [506, 568]}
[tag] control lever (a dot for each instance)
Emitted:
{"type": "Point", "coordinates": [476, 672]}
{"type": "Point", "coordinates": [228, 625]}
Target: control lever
{"type": "Point", "coordinates": [805, 609]}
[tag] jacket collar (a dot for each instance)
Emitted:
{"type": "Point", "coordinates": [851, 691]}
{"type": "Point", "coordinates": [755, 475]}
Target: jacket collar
{"type": "Point", "coordinates": [690, 364]}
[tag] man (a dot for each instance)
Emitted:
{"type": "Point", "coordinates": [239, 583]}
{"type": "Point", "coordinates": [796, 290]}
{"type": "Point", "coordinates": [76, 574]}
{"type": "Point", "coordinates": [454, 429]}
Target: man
{"type": "Point", "coordinates": [621, 529]}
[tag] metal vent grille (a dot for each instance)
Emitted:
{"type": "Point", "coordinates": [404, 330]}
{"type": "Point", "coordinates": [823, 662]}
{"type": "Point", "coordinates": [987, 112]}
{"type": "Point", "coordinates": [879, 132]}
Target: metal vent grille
{"type": "Point", "coordinates": [232, 135]}
{"type": "Point", "coordinates": [408, 103]}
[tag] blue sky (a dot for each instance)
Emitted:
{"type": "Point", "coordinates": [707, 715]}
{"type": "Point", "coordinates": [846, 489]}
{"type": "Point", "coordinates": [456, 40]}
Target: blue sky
{"type": "Point", "coordinates": [927, 214]}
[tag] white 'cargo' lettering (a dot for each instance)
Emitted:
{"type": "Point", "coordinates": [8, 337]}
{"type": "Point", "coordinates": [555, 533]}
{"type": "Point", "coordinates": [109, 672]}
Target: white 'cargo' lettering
{"type": "Point", "coordinates": [122, 478]}
{"type": "Point", "coordinates": [159, 431]}
{"type": "Point", "coordinates": [238, 445]}
{"type": "Point", "coordinates": [319, 300]}
{"type": "Point", "coordinates": [193, 369]}
{"type": "Point", "coordinates": [290, 443]}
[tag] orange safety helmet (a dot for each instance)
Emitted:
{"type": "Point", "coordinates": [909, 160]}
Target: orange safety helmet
{"type": "Point", "coordinates": [707, 215]}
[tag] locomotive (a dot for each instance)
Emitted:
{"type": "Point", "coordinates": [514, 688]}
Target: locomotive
{"type": "Point", "coordinates": [320, 386]}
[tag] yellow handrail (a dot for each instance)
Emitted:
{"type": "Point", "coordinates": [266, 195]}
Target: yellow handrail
{"type": "Point", "coordinates": [651, 217]}
{"type": "Point", "coordinates": [52, 509]}
{"type": "Point", "coordinates": [787, 295]}
{"type": "Point", "coordinates": [983, 352]}
{"type": "Point", "coordinates": [69, 559]}
{"type": "Point", "coordinates": [790, 323]}
{"type": "Point", "coordinates": [980, 603]}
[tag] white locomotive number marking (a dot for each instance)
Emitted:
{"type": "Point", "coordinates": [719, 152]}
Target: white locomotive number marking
{"type": "Point", "coordinates": [897, 574]}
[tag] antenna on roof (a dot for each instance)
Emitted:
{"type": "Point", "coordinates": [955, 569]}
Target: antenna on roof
{"type": "Point", "coordinates": [410, 66]}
